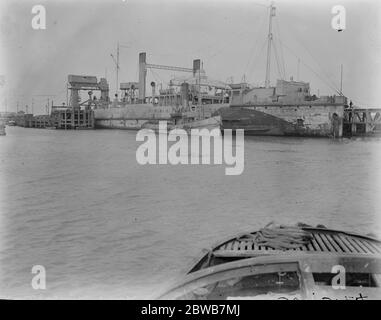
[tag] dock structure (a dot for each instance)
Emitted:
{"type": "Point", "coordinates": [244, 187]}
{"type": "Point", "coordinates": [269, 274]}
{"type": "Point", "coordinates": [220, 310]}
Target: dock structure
{"type": "Point", "coordinates": [23, 119]}
{"type": "Point", "coordinates": [60, 118]}
{"type": "Point", "coordinates": [72, 118]}
{"type": "Point", "coordinates": [76, 114]}
{"type": "Point", "coordinates": [362, 122]}
{"type": "Point", "coordinates": [28, 120]}
{"type": "Point", "coordinates": [40, 121]}
{"type": "Point", "coordinates": [80, 115]}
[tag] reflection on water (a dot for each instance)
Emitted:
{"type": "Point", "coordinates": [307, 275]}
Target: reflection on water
{"type": "Point", "coordinates": [105, 227]}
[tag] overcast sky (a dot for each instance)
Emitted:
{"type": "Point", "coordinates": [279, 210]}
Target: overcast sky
{"type": "Point", "coordinates": [228, 36]}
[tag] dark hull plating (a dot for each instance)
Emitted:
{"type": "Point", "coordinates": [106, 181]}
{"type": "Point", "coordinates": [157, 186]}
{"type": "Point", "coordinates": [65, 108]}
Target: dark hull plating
{"type": "Point", "coordinates": [259, 123]}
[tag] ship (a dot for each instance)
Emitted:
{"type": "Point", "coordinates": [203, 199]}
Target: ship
{"type": "Point", "coordinates": [286, 109]}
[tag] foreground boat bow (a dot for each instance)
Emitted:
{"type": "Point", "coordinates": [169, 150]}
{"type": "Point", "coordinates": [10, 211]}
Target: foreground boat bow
{"type": "Point", "coordinates": [330, 264]}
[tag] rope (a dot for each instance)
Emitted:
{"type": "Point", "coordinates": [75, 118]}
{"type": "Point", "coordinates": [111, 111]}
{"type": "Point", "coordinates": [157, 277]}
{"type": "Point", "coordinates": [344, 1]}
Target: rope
{"type": "Point", "coordinates": [312, 70]}
{"type": "Point", "coordinates": [281, 48]}
{"type": "Point", "coordinates": [257, 58]}
{"type": "Point", "coordinates": [328, 81]}
{"type": "Point", "coordinates": [280, 71]}
{"type": "Point", "coordinates": [279, 237]}
{"type": "Point", "coordinates": [256, 44]}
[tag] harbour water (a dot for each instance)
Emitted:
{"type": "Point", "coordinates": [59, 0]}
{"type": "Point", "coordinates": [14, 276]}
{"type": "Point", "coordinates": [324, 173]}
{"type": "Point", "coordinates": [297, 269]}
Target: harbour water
{"type": "Point", "coordinates": [103, 226]}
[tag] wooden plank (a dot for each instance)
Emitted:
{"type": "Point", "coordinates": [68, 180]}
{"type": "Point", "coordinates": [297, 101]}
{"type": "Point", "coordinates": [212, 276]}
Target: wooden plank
{"type": "Point", "coordinates": [327, 243]}
{"type": "Point", "coordinates": [354, 244]}
{"type": "Point", "coordinates": [248, 245]}
{"type": "Point", "coordinates": [373, 245]}
{"type": "Point", "coordinates": [220, 247]}
{"type": "Point", "coordinates": [377, 245]}
{"type": "Point", "coordinates": [236, 244]}
{"type": "Point", "coordinates": [333, 243]}
{"type": "Point", "coordinates": [347, 243]}
{"type": "Point", "coordinates": [310, 247]}
{"type": "Point", "coordinates": [229, 245]}
{"type": "Point", "coordinates": [244, 244]}
{"type": "Point", "coordinates": [363, 247]}
{"type": "Point", "coordinates": [320, 242]}
{"type": "Point", "coordinates": [246, 253]}
{"type": "Point", "coordinates": [316, 246]}
{"type": "Point", "coordinates": [341, 243]}
{"type": "Point", "coordinates": [366, 244]}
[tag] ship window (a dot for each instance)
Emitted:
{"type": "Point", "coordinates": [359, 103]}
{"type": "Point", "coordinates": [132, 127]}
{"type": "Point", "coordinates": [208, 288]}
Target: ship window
{"type": "Point", "coordinates": [278, 285]}
{"type": "Point", "coordinates": [351, 279]}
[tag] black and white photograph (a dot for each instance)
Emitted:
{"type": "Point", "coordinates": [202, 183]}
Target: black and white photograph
{"type": "Point", "coordinates": [190, 150]}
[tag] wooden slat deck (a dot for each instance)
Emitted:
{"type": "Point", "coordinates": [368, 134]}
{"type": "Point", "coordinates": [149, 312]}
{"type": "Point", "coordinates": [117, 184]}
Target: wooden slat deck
{"type": "Point", "coordinates": [329, 241]}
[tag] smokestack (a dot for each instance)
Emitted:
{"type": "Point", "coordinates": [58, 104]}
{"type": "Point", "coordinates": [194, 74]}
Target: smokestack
{"type": "Point", "coordinates": [142, 76]}
{"type": "Point", "coordinates": [184, 94]}
{"type": "Point", "coordinates": [196, 66]}
{"type": "Point", "coordinates": [153, 85]}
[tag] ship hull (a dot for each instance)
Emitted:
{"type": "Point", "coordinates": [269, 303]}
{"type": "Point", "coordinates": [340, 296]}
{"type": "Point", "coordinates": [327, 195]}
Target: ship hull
{"type": "Point", "coordinates": [209, 124]}
{"type": "Point", "coordinates": [292, 120]}
{"type": "Point", "coordinates": [137, 116]}
{"type": "Point", "coordinates": [306, 121]}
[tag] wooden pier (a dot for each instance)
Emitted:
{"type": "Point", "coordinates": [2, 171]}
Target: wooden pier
{"type": "Point", "coordinates": [60, 118]}
{"type": "Point", "coordinates": [362, 122]}
{"type": "Point", "coordinates": [72, 118]}
{"type": "Point", "coordinates": [41, 121]}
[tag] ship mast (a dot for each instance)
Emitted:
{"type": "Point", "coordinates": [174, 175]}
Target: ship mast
{"type": "Point", "coordinates": [341, 80]}
{"type": "Point", "coordinates": [117, 68]}
{"type": "Point", "coordinates": [116, 61]}
{"type": "Point", "coordinates": [269, 39]}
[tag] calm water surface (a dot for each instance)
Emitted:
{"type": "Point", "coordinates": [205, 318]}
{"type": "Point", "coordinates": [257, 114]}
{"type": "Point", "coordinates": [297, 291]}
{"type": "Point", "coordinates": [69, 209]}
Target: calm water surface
{"type": "Point", "coordinates": [103, 226]}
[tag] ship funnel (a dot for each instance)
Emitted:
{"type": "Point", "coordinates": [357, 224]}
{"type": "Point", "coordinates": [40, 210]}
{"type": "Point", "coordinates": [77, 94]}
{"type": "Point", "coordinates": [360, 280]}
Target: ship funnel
{"type": "Point", "coordinates": [153, 86]}
{"type": "Point", "coordinates": [185, 94]}
{"type": "Point", "coordinates": [142, 76]}
{"type": "Point", "coordinates": [196, 66]}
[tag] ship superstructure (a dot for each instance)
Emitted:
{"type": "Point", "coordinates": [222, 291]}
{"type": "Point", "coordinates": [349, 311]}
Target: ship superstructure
{"type": "Point", "coordinates": [195, 97]}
